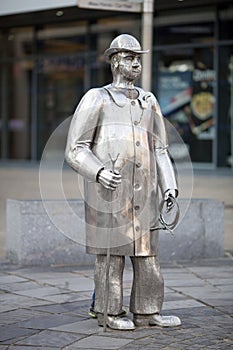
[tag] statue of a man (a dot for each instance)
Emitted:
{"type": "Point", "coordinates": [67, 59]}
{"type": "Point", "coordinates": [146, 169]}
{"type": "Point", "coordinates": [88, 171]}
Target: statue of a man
{"type": "Point", "coordinates": [117, 141]}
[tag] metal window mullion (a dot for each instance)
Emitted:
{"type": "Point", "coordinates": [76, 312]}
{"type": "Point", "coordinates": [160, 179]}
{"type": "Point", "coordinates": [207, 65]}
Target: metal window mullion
{"type": "Point", "coordinates": [4, 102]}
{"type": "Point", "coordinates": [216, 90]}
{"type": "Point", "coordinates": [34, 103]}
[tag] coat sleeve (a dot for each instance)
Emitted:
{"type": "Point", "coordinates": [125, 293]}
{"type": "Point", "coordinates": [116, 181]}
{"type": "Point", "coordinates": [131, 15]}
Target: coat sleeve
{"type": "Point", "coordinates": [81, 135]}
{"type": "Point", "coordinates": [165, 171]}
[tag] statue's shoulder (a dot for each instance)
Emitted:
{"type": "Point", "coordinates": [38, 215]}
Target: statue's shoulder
{"type": "Point", "coordinates": [96, 91]}
{"type": "Point", "coordinates": [94, 95]}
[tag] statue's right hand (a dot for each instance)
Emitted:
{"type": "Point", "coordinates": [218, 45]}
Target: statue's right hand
{"type": "Point", "coordinates": [109, 180]}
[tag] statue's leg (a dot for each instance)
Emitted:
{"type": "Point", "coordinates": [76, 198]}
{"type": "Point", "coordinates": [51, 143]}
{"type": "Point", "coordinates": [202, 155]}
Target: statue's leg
{"type": "Point", "coordinates": [115, 286]}
{"type": "Point", "coordinates": [115, 290]}
{"type": "Point", "coordinates": [148, 286]}
{"type": "Point", "coordinates": [148, 293]}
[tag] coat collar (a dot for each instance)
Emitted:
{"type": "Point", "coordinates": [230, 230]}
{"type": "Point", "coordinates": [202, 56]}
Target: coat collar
{"type": "Point", "coordinates": [120, 99]}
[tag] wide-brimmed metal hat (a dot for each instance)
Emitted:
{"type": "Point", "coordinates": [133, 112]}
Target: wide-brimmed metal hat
{"type": "Point", "coordinates": [123, 42]}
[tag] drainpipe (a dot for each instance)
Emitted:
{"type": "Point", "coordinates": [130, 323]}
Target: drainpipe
{"type": "Point", "coordinates": [147, 43]}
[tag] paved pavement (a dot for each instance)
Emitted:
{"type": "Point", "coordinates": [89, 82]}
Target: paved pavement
{"type": "Point", "coordinates": [47, 308]}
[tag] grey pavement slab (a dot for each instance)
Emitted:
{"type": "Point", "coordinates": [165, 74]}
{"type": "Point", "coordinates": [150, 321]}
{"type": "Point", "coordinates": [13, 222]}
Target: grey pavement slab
{"type": "Point", "coordinates": [13, 333]}
{"type": "Point", "coordinates": [19, 315]}
{"type": "Point", "coordinates": [22, 347]}
{"type": "Point", "coordinates": [13, 287]}
{"type": "Point", "coordinates": [40, 292]}
{"type": "Point", "coordinates": [47, 321]}
{"type": "Point", "coordinates": [178, 304]}
{"type": "Point", "coordinates": [100, 342]}
{"type": "Point", "coordinates": [88, 326]}
{"type": "Point", "coordinates": [49, 338]}
{"type": "Point", "coordinates": [11, 279]}
{"type": "Point", "coordinates": [13, 301]}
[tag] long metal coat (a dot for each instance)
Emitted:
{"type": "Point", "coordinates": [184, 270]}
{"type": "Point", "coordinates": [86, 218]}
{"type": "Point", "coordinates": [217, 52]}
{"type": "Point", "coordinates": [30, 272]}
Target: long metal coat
{"type": "Point", "coordinates": [106, 123]}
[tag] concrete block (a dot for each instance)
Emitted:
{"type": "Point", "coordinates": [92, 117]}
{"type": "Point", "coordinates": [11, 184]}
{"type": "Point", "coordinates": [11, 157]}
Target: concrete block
{"type": "Point", "coordinates": [200, 233]}
{"type": "Point", "coordinates": [34, 239]}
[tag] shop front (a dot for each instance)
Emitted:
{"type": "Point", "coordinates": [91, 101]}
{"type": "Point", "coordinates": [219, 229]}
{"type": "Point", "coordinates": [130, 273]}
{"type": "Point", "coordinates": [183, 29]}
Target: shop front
{"type": "Point", "coordinates": [46, 67]}
{"type": "Point", "coordinates": [193, 69]}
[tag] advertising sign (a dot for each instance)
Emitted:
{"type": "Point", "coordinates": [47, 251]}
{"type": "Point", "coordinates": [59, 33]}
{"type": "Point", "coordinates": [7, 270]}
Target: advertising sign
{"type": "Point", "coordinates": [120, 5]}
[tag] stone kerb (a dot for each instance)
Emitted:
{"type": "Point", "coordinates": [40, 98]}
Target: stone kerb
{"type": "Point", "coordinates": [33, 239]}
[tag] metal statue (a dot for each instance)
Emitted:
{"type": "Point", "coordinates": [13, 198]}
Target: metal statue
{"type": "Point", "coordinates": [117, 141]}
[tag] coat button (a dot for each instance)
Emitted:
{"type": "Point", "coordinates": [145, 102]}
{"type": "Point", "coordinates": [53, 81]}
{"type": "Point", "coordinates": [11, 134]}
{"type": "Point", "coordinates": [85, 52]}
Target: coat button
{"type": "Point", "coordinates": [138, 164]}
{"type": "Point", "coordinates": [132, 103]}
{"type": "Point", "coordinates": [137, 228]}
{"type": "Point", "coordinates": [136, 207]}
{"type": "Point", "coordinates": [138, 143]}
{"type": "Point", "coordinates": [136, 186]}
{"type": "Point", "coordinates": [136, 122]}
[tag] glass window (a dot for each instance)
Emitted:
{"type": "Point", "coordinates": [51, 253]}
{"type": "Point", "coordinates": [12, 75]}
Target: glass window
{"type": "Point", "coordinates": [19, 109]}
{"type": "Point", "coordinates": [70, 61]}
{"type": "Point", "coordinates": [60, 76]}
{"type": "Point", "coordinates": [19, 42]}
{"type": "Point", "coordinates": [185, 92]}
{"type": "Point", "coordinates": [64, 39]}
{"type": "Point", "coordinates": [226, 23]}
{"type": "Point", "coordinates": [16, 94]}
{"type": "Point", "coordinates": [225, 112]}
{"type": "Point", "coordinates": [176, 34]}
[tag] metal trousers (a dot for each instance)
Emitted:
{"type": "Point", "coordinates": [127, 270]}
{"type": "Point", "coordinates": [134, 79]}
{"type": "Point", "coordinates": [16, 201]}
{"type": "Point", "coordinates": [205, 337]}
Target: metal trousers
{"type": "Point", "coordinates": [147, 291]}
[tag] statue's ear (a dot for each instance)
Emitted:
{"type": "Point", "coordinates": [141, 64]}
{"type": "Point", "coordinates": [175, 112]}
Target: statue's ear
{"type": "Point", "coordinates": [115, 62]}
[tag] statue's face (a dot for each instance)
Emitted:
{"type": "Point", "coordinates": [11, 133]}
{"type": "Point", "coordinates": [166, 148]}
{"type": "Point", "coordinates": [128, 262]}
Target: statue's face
{"type": "Point", "coordinates": [129, 65]}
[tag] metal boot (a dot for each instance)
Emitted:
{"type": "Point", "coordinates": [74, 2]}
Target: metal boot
{"type": "Point", "coordinates": [157, 320]}
{"type": "Point", "coordinates": [116, 322]}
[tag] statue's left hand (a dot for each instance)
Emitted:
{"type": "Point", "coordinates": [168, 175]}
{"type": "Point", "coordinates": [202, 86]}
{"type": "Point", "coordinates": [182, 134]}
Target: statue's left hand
{"type": "Point", "coordinates": [169, 197]}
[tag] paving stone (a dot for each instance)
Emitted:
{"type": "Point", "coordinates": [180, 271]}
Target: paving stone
{"type": "Point", "coordinates": [170, 295]}
{"type": "Point", "coordinates": [12, 302]}
{"type": "Point", "coordinates": [76, 307]}
{"type": "Point", "coordinates": [45, 322]}
{"type": "Point", "coordinates": [188, 282]}
{"type": "Point", "coordinates": [40, 292]}
{"type": "Point", "coordinates": [89, 326]}
{"type": "Point", "coordinates": [64, 297]}
{"type": "Point", "coordinates": [19, 315]}
{"type": "Point", "coordinates": [10, 334]}
{"type": "Point", "coordinates": [138, 333]}
{"type": "Point", "coordinates": [50, 338]}
{"type": "Point", "coordinates": [11, 279]}
{"type": "Point", "coordinates": [226, 309]}
{"type": "Point", "coordinates": [220, 281]}
{"type": "Point", "coordinates": [216, 302]}
{"type": "Point", "coordinates": [79, 284]}
{"type": "Point", "coordinates": [139, 347]}
{"type": "Point", "coordinates": [12, 287]}
{"type": "Point", "coordinates": [226, 287]}
{"type": "Point", "coordinates": [99, 342]}
{"type": "Point", "coordinates": [171, 305]}
{"type": "Point", "coordinates": [18, 347]}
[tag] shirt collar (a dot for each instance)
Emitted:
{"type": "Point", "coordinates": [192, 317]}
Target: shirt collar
{"type": "Point", "coordinates": [120, 99]}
